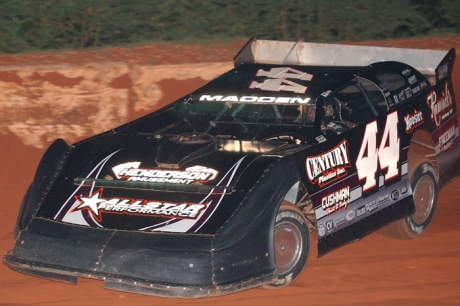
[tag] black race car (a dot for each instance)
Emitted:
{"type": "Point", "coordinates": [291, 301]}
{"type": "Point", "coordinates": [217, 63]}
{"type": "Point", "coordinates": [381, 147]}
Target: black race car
{"type": "Point", "coordinates": [219, 191]}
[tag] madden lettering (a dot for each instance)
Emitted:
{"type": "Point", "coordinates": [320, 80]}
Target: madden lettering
{"type": "Point", "coordinates": [255, 99]}
{"type": "Point", "coordinates": [328, 167]}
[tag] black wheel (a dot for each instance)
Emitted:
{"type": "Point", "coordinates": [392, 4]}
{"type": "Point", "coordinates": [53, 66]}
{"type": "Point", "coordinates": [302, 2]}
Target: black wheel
{"type": "Point", "coordinates": [425, 188]}
{"type": "Point", "coordinates": [292, 244]}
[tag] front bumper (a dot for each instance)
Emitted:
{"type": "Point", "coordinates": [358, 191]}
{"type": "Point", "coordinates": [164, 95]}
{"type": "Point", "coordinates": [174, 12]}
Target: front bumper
{"type": "Point", "coordinates": [173, 265]}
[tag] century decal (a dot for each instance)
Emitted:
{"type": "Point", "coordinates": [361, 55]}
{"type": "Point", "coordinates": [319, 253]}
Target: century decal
{"type": "Point", "coordinates": [336, 200]}
{"type": "Point", "coordinates": [441, 107]}
{"type": "Point", "coordinates": [96, 204]}
{"type": "Point", "coordinates": [130, 171]}
{"type": "Point", "coordinates": [330, 166]}
{"type": "Point", "coordinates": [413, 121]}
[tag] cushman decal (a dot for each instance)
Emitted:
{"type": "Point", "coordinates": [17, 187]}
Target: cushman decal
{"type": "Point", "coordinates": [441, 107]}
{"type": "Point", "coordinates": [336, 200]}
{"type": "Point", "coordinates": [130, 171]}
{"type": "Point", "coordinates": [96, 204]}
{"type": "Point", "coordinates": [330, 166]}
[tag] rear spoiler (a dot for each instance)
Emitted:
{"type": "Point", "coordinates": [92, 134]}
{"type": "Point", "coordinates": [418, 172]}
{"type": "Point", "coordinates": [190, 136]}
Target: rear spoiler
{"type": "Point", "coordinates": [318, 54]}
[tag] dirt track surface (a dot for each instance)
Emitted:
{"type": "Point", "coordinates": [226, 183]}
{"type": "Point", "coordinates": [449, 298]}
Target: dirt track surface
{"type": "Point", "coordinates": [374, 271]}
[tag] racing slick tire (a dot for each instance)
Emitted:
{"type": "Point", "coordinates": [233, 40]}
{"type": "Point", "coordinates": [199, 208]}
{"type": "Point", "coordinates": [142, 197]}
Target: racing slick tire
{"type": "Point", "coordinates": [292, 244]}
{"type": "Point", "coordinates": [423, 180]}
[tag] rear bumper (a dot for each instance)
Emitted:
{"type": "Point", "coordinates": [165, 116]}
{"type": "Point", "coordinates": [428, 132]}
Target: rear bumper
{"type": "Point", "coordinates": [148, 263]}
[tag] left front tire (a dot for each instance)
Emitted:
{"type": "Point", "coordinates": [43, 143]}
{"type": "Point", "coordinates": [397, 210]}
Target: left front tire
{"type": "Point", "coordinates": [292, 244]}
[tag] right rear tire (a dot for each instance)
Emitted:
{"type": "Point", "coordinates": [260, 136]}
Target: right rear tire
{"type": "Point", "coordinates": [424, 183]}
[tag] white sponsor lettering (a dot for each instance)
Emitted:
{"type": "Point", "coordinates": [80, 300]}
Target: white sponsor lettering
{"type": "Point", "coordinates": [446, 140]}
{"type": "Point", "coordinates": [130, 171]}
{"type": "Point", "coordinates": [328, 167]}
{"type": "Point", "coordinates": [413, 120]}
{"type": "Point", "coordinates": [96, 204]}
{"type": "Point", "coordinates": [439, 106]}
{"type": "Point", "coordinates": [336, 200]}
{"type": "Point", "coordinates": [254, 99]}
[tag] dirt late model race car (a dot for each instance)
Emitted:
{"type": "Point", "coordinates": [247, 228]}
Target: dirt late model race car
{"type": "Point", "coordinates": [219, 191]}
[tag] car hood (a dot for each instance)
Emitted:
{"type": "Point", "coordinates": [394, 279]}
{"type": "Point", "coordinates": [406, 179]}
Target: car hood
{"type": "Point", "coordinates": [187, 183]}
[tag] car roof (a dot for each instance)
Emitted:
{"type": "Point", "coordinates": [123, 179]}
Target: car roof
{"type": "Point", "coordinates": [243, 80]}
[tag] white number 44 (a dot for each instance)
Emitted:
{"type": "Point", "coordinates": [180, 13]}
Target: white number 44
{"type": "Point", "coordinates": [387, 153]}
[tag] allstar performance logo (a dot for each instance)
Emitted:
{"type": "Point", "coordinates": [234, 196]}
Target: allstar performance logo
{"type": "Point", "coordinates": [96, 205]}
{"type": "Point", "coordinates": [130, 171]}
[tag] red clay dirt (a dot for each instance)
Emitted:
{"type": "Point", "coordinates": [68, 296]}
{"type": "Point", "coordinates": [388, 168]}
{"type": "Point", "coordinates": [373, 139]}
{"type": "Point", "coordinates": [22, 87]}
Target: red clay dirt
{"type": "Point", "coordinates": [374, 271]}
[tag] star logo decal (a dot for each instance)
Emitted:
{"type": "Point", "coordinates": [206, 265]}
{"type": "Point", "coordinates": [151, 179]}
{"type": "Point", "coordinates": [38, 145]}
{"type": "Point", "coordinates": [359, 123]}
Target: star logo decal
{"type": "Point", "coordinates": [91, 204]}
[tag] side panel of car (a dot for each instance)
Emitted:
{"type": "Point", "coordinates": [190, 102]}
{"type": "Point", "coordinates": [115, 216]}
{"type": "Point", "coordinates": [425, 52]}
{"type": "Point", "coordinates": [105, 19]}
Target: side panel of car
{"type": "Point", "coordinates": [356, 178]}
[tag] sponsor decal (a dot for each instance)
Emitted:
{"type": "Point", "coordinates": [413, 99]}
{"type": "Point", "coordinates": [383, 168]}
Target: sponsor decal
{"type": "Point", "coordinates": [96, 204]}
{"type": "Point", "coordinates": [254, 99]}
{"type": "Point", "coordinates": [413, 121]}
{"type": "Point", "coordinates": [350, 215]}
{"type": "Point", "coordinates": [412, 79]}
{"type": "Point", "coordinates": [441, 107]}
{"type": "Point", "coordinates": [408, 92]}
{"type": "Point", "coordinates": [361, 211]}
{"type": "Point", "coordinates": [330, 166]}
{"type": "Point", "coordinates": [395, 97]}
{"type": "Point", "coordinates": [446, 140]}
{"type": "Point", "coordinates": [443, 71]}
{"type": "Point", "coordinates": [329, 226]}
{"type": "Point", "coordinates": [326, 93]}
{"type": "Point", "coordinates": [383, 200]}
{"type": "Point", "coordinates": [416, 89]}
{"type": "Point", "coordinates": [371, 206]}
{"type": "Point", "coordinates": [340, 221]}
{"type": "Point", "coordinates": [131, 172]}
{"type": "Point", "coordinates": [277, 80]}
{"type": "Point", "coordinates": [336, 201]}
{"type": "Point", "coordinates": [401, 96]}
{"type": "Point", "coordinates": [423, 84]}
{"type": "Point", "coordinates": [321, 230]}
{"type": "Point", "coordinates": [320, 138]}
{"type": "Point", "coordinates": [404, 189]}
{"type": "Point", "coordinates": [406, 72]}
{"type": "Point", "coordinates": [395, 195]}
